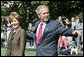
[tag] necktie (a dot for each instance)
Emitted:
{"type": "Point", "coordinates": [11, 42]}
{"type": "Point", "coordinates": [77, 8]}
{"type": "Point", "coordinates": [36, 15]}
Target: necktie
{"type": "Point", "coordinates": [39, 34]}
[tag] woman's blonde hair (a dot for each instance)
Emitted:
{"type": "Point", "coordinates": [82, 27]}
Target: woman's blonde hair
{"type": "Point", "coordinates": [14, 15]}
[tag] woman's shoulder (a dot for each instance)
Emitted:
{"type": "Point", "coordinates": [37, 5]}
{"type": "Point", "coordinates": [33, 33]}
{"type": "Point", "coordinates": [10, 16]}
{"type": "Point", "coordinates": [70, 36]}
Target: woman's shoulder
{"type": "Point", "coordinates": [22, 30]}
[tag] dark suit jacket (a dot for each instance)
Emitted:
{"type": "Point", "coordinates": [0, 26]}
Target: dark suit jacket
{"type": "Point", "coordinates": [48, 45]}
{"type": "Point", "coordinates": [16, 43]}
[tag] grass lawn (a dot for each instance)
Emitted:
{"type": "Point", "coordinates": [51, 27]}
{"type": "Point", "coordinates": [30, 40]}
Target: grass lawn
{"type": "Point", "coordinates": [30, 52]}
{"type": "Point", "coordinates": [27, 52]}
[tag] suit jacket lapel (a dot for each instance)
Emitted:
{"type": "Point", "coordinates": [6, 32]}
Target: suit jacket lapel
{"type": "Point", "coordinates": [10, 36]}
{"type": "Point", "coordinates": [47, 27]}
{"type": "Point", "coordinates": [13, 35]}
{"type": "Point", "coordinates": [16, 34]}
{"type": "Point", "coordinates": [46, 30]}
{"type": "Point", "coordinates": [36, 26]}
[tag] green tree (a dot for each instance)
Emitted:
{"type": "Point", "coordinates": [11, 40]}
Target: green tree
{"type": "Point", "coordinates": [27, 9]}
{"type": "Point", "coordinates": [66, 8]}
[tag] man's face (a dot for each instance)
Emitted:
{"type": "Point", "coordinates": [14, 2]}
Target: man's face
{"type": "Point", "coordinates": [44, 14]}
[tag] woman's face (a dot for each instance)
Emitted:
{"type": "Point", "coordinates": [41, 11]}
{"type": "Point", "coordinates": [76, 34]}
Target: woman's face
{"type": "Point", "coordinates": [15, 24]}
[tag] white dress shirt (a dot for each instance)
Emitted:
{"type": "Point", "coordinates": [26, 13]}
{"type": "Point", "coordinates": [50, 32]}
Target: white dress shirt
{"type": "Point", "coordinates": [43, 27]}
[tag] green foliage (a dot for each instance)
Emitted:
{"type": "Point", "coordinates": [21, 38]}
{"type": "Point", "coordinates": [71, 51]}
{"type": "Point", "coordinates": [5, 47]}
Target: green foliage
{"type": "Point", "coordinates": [27, 9]}
{"type": "Point", "coordinates": [66, 8]}
{"type": "Point", "coordinates": [80, 16]}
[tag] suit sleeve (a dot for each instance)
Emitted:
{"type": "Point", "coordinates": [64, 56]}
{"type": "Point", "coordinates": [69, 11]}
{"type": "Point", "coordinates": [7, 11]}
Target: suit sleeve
{"type": "Point", "coordinates": [30, 35]}
{"type": "Point", "coordinates": [62, 30]}
{"type": "Point", "coordinates": [22, 42]}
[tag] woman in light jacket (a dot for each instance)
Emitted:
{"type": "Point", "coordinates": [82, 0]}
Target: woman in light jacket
{"type": "Point", "coordinates": [17, 37]}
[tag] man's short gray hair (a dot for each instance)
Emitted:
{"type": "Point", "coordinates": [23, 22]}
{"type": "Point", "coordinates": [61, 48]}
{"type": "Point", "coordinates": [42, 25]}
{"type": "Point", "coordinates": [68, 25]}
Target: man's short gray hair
{"type": "Point", "coordinates": [40, 7]}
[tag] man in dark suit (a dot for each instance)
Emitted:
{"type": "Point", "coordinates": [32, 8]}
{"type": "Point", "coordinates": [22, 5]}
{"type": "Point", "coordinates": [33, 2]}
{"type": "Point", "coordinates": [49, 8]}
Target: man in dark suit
{"type": "Point", "coordinates": [47, 32]}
